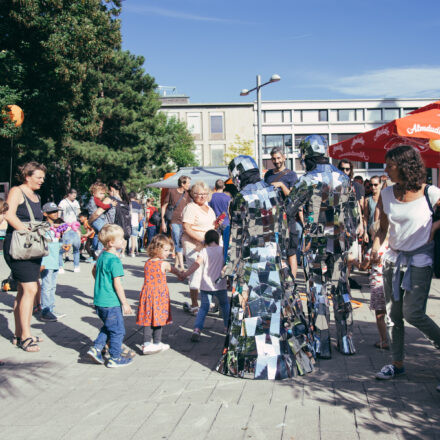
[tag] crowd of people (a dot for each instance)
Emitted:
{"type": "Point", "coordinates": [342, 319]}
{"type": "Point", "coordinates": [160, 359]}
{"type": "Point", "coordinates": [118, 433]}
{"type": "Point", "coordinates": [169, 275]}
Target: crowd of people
{"type": "Point", "coordinates": [335, 222]}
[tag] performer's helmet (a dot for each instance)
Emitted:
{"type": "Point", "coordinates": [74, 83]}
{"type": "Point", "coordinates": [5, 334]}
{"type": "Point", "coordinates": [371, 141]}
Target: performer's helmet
{"type": "Point", "coordinates": [313, 146]}
{"type": "Point", "coordinates": [238, 166]}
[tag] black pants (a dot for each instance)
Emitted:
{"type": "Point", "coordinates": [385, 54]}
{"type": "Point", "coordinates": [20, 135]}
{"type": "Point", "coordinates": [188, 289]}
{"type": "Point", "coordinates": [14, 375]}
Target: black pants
{"type": "Point", "coordinates": [155, 332]}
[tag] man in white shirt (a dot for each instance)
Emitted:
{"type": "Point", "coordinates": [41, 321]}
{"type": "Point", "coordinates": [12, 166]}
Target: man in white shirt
{"type": "Point", "coordinates": [69, 207]}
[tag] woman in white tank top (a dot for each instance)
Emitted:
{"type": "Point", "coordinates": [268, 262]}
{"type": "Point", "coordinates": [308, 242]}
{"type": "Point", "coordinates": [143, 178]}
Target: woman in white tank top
{"type": "Point", "coordinates": [407, 269]}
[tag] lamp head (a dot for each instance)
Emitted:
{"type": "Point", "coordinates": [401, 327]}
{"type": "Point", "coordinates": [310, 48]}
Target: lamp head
{"type": "Point", "coordinates": [275, 78]}
{"type": "Point", "coordinates": [244, 92]}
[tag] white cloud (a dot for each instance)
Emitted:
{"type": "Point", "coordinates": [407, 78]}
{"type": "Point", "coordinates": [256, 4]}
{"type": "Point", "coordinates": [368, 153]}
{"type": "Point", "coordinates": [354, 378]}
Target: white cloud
{"type": "Point", "coordinates": [150, 10]}
{"type": "Point", "coordinates": [395, 82]}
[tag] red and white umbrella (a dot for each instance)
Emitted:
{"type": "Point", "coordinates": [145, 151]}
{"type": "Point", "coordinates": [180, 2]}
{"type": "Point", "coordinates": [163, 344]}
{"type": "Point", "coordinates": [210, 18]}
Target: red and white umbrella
{"type": "Point", "coordinates": [420, 129]}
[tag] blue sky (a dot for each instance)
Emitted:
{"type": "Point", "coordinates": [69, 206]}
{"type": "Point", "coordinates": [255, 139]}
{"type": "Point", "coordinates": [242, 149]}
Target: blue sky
{"type": "Point", "coordinates": [322, 49]}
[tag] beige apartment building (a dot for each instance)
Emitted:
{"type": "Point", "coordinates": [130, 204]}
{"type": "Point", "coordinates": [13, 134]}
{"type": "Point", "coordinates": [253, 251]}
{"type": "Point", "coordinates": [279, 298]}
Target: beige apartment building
{"type": "Point", "coordinates": [284, 124]}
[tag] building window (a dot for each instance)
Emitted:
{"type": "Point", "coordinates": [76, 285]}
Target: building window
{"type": "Point", "coordinates": [277, 116]}
{"type": "Point", "coordinates": [323, 115]}
{"type": "Point", "coordinates": [374, 114]}
{"type": "Point", "coordinates": [217, 155]}
{"type": "Point", "coordinates": [194, 123]}
{"type": "Point", "coordinates": [198, 152]}
{"type": "Point", "coordinates": [300, 137]}
{"type": "Point", "coordinates": [376, 166]}
{"type": "Point", "coordinates": [339, 137]}
{"type": "Point", "coordinates": [359, 114]}
{"type": "Point", "coordinates": [216, 126]}
{"type": "Point", "coordinates": [347, 115]}
{"type": "Point", "coordinates": [311, 116]}
{"type": "Point", "coordinates": [406, 111]}
{"type": "Point", "coordinates": [283, 141]}
{"type": "Point", "coordinates": [389, 114]}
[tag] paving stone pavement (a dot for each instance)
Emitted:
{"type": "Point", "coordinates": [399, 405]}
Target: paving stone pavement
{"type": "Point", "coordinates": [59, 394]}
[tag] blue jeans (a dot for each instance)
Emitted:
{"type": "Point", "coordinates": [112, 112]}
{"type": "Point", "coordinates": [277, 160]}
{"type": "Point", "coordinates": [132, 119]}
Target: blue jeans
{"type": "Point", "coordinates": [225, 235]}
{"type": "Point", "coordinates": [97, 226]}
{"type": "Point", "coordinates": [151, 232]}
{"type": "Point", "coordinates": [112, 331]}
{"type": "Point", "coordinates": [48, 288]}
{"type": "Point", "coordinates": [72, 238]}
{"type": "Point", "coordinates": [222, 297]}
{"type": "Point", "coordinates": [176, 234]}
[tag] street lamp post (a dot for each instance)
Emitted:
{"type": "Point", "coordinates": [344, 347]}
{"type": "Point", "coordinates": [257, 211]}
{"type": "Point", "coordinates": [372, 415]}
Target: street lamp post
{"type": "Point", "coordinates": [245, 92]}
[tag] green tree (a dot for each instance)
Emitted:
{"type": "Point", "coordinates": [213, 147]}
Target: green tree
{"type": "Point", "coordinates": [136, 143]}
{"type": "Point", "coordinates": [90, 110]}
{"type": "Point", "coordinates": [240, 146]}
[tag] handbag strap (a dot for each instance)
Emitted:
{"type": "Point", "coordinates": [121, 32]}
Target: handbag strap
{"type": "Point", "coordinates": [31, 213]}
{"type": "Point", "coordinates": [178, 201]}
{"type": "Point", "coordinates": [280, 175]}
{"type": "Point", "coordinates": [427, 199]}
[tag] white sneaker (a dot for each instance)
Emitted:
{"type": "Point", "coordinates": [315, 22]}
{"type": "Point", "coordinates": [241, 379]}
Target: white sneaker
{"type": "Point", "coordinates": [77, 269]}
{"type": "Point", "coordinates": [133, 255]}
{"type": "Point", "coordinates": [151, 348]}
{"type": "Point", "coordinates": [61, 270]}
{"type": "Point", "coordinates": [162, 346]}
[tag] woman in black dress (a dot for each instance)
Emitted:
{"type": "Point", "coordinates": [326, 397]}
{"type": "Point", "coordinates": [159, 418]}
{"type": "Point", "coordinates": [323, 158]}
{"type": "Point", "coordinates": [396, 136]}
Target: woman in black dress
{"type": "Point", "coordinates": [26, 272]}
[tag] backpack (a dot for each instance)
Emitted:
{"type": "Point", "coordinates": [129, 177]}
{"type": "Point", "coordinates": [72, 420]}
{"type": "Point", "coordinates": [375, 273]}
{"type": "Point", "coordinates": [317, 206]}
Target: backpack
{"type": "Point", "coordinates": [9, 284]}
{"type": "Point", "coordinates": [156, 218]}
{"type": "Point", "coordinates": [123, 218]}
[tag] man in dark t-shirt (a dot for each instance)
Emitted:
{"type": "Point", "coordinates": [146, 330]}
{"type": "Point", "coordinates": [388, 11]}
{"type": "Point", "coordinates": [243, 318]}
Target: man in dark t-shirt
{"type": "Point", "coordinates": [285, 179]}
{"type": "Point", "coordinates": [280, 176]}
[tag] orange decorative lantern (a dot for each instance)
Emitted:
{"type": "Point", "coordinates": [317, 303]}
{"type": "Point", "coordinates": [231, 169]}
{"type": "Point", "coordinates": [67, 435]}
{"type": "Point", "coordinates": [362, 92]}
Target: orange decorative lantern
{"type": "Point", "coordinates": [15, 114]}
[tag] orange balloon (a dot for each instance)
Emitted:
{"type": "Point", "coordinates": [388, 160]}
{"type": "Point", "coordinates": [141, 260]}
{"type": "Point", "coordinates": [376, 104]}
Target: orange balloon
{"type": "Point", "coordinates": [16, 114]}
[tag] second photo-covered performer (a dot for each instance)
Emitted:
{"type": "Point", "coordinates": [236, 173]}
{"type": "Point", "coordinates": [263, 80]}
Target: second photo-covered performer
{"type": "Point", "coordinates": [332, 223]}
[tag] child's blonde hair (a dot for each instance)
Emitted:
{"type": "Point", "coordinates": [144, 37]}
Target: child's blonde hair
{"type": "Point", "coordinates": [110, 232]}
{"type": "Point", "coordinates": [157, 243]}
{"type": "Point", "coordinates": [96, 186]}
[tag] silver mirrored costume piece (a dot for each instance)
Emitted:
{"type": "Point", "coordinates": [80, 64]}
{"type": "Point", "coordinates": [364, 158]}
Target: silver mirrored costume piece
{"type": "Point", "coordinates": [268, 336]}
{"type": "Point", "coordinates": [331, 218]}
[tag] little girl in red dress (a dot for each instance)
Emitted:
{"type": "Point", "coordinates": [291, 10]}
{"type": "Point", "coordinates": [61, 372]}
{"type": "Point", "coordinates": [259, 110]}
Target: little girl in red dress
{"type": "Point", "coordinates": [154, 302]}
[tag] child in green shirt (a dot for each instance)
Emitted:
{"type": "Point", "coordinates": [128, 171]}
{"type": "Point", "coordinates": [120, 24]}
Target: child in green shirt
{"type": "Point", "coordinates": [109, 298]}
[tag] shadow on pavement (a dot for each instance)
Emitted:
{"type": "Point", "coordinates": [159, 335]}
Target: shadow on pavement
{"type": "Point", "coordinates": [13, 373]}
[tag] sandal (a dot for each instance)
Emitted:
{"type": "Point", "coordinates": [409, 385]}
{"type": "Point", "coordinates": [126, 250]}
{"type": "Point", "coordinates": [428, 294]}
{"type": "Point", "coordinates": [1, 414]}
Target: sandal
{"type": "Point", "coordinates": [29, 345]}
{"type": "Point", "coordinates": [382, 345]}
{"type": "Point", "coordinates": [16, 340]}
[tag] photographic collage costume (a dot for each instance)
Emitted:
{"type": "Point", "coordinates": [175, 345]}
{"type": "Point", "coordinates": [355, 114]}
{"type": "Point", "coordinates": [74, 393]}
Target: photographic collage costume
{"type": "Point", "coordinates": [268, 335]}
{"type": "Point", "coordinates": [331, 218]}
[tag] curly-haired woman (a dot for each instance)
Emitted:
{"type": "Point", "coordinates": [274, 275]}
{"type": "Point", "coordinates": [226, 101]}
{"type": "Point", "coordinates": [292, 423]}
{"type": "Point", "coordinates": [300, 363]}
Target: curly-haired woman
{"type": "Point", "coordinates": [407, 268]}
